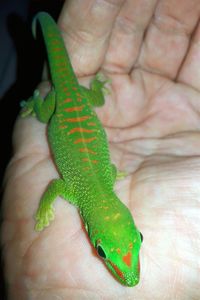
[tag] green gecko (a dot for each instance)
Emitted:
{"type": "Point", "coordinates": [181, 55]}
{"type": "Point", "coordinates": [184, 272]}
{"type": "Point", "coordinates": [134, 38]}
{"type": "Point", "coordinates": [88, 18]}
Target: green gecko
{"type": "Point", "coordinates": [79, 147]}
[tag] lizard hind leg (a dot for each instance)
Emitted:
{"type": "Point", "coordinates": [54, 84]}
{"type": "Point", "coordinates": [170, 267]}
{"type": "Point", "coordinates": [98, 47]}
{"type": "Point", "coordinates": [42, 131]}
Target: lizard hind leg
{"type": "Point", "coordinates": [95, 94]}
{"type": "Point", "coordinates": [38, 107]}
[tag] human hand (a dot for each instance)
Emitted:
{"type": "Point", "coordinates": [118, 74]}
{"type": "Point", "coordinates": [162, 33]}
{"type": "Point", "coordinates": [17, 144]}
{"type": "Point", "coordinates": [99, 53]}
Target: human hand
{"type": "Point", "coordinates": [152, 121]}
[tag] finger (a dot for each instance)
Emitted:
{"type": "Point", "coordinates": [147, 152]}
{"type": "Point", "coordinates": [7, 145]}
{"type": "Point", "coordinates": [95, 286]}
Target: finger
{"type": "Point", "coordinates": [190, 71]}
{"type": "Point", "coordinates": [127, 34]}
{"type": "Point", "coordinates": [168, 35]}
{"type": "Point", "coordinates": [29, 138]}
{"type": "Point", "coordinates": [86, 26]}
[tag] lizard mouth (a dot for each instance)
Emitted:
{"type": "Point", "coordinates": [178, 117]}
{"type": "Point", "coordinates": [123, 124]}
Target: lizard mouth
{"type": "Point", "coordinates": [129, 280]}
{"type": "Point", "coordinates": [117, 271]}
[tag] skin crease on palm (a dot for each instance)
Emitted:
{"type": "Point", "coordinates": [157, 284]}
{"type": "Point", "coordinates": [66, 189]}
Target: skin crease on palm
{"type": "Point", "coordinates": [151, 52]}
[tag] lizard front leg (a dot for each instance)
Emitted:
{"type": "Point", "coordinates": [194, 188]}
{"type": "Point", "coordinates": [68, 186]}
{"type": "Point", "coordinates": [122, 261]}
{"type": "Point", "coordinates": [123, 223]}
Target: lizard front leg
{"type": "Point", "coordinates": [45, 211]}
{"type": "Point", "coordinates": [95, 94]}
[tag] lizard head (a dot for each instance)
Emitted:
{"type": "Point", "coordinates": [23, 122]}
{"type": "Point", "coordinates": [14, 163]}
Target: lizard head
{"type": "Point", "coordinates": [117, 242]}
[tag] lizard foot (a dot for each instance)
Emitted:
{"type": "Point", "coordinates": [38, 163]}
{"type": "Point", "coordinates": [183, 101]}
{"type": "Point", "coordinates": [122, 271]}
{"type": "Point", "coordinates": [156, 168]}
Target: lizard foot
{"type": "Point", "coordinates": [43, 217]}
{"type": "Point", "coordinates": [121, 175]}
{"type": "Point", "coordinates": [28, 106]}
{"type": "Point", "coordinates": [103, 80]}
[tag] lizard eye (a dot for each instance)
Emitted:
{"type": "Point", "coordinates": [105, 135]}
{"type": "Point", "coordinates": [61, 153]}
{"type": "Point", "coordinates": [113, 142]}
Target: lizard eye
{"type": "Point", "coordinates": [101, 252]}
{"type": "Point", "coordinates": [141, 236]}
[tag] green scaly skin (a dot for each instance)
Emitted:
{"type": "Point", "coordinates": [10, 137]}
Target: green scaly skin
{"type": "Point", "coordinates": [80, 150]}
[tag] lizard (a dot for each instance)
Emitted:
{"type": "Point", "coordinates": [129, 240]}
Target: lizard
{"type": "Point", "coordinates": [80, 151]}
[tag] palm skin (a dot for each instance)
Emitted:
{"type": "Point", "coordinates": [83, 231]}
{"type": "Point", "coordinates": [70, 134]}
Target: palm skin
{"type": "Point", "coordinates": [152, 120]}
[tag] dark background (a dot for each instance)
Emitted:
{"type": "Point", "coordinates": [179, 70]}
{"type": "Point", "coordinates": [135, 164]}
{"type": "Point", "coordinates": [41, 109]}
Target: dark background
{"type": "Point", "coordinates": [21, 63]}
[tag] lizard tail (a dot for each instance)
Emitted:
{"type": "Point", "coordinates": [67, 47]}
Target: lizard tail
{"type": "Point", "coordinates": [62, 73]}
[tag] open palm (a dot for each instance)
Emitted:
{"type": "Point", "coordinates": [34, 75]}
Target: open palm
{"type": "Point", "coordinates": [152, 118]}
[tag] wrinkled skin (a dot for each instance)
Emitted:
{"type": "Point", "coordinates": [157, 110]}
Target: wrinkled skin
{"type": "Point", "coordinates": [151, 51]}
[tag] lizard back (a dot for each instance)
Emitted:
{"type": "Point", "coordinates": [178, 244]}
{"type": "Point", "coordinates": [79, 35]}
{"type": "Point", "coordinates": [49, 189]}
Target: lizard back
{"type": "Point", "coordinates": [77, 139]}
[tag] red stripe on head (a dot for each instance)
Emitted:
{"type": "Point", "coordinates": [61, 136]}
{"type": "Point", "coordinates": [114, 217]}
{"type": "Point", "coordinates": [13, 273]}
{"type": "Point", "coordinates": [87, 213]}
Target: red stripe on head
{"type": "Point", "coordinates": [127, 259]}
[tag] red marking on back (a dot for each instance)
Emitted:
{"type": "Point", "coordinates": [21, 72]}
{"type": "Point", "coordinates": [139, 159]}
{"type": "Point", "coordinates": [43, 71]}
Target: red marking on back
{"type": "Point", "coordinates": [83, 140]}
{"type": "Point", "coordinates": [86, 150]}
{"type": "Point", "coordinates": [67, 100]}
{"type": "Point", "coordinates": [127, 259]}
{"type": "Point", "coordinates": [131, 246]}
{"type": "Point", "coordinates": [85, 159]}
{"type": "Point", "coordinates": [77, 119]}
{"type": "Point", "coordinates": [55, 42]}
{"type": "Point", "coordinates": [61, 69]}
{"type": "Point", "coordinates": [58, 57]}
{"type": "Point", "coordinates": [63, 126]}
{"type": "Point", "coordinates": [94, 161]}
{"type": "Point", "coordinates": [62, 63]}
{"type": "Point", "coordinates": [117, 270]}
{"type": "Point", "coordinates": [75, 108]}
{"type": "Point", "coordinates": [50, 34]}
{"type": "Point", "coordinates": [92, 124]}
{"type": "Point", "coordinates": [79, 129]}
{"type": "Point", "coordinates": [86, 168]}
{"type": "Point", "coordinates": [57, 49]}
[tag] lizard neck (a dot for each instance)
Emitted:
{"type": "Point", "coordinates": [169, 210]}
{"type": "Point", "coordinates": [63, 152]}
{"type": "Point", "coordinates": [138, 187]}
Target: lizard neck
{"type": "Point", "coordinates": [99, 205]}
